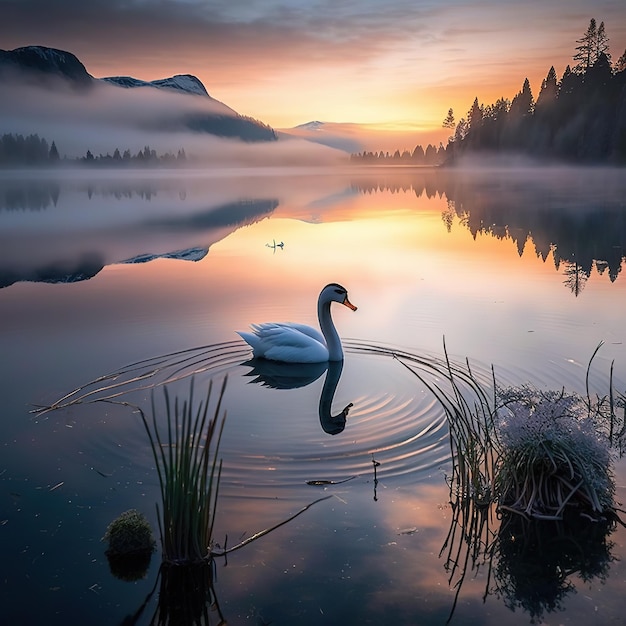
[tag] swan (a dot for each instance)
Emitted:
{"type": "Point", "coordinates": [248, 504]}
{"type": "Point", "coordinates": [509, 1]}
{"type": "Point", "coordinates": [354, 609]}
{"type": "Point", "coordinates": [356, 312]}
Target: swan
{"type": "Point", "coordinates": [298, 343]}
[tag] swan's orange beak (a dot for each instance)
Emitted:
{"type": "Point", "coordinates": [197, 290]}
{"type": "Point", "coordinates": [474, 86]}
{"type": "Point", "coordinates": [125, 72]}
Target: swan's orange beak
{"type": "Point", "coordinates": [349, 304]}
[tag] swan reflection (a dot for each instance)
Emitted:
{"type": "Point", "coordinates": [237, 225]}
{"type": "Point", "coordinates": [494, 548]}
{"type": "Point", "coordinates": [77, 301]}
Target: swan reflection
{"type": "Point", "coordinates": [281, 375]}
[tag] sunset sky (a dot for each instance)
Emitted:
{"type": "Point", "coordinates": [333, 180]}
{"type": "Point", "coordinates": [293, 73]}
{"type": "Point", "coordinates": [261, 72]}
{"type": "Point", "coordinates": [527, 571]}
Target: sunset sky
{"type": "Point", "coordinates": [398, 64]}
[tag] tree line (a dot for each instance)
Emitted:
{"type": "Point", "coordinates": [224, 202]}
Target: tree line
{"type": "Point", "coordinates": [579, 118]}
{"type": "Point", "coordinates": [419, 156]}
{"type": "Point", "coordinates": [147, 156]}
{"type": "Point", "coordinates": [32, 150]}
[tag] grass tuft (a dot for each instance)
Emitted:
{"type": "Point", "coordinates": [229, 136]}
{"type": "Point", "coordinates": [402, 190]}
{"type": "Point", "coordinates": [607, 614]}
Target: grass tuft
{"type": "Point", "coordinates": [186, 458]}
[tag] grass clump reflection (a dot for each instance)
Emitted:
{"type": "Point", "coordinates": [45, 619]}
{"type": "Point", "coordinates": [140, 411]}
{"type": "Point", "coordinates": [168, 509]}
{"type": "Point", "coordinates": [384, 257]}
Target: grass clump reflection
{"type": "Point", "coordinates": [534, 562]}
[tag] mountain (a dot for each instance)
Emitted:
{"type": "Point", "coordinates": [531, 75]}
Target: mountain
{"type": "Point", "coordinates": [314, 125]}
{"type": "Point", "coordinates": [327, 134]}
{"type": "Point", "coordinates": [51, 68]}
{"type": "Point", "coordinates": [187, 83]}
{"type": "Point", "coordinates": [37, 63]}
{"type": "Point", "coordinates": [190, 254]}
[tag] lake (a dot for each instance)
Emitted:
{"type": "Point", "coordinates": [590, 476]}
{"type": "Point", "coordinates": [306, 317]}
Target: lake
{"type": "Point", "coordinates": [519, 270]}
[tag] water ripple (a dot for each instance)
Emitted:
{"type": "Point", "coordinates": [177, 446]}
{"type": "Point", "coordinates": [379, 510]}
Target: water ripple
{"type": "Point", "coordinates": [287, 425]}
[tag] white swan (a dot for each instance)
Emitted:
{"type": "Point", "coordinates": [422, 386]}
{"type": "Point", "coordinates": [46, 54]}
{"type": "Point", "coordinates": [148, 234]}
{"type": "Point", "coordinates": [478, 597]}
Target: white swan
{"type": "Point", "coordinates": [298, 343]}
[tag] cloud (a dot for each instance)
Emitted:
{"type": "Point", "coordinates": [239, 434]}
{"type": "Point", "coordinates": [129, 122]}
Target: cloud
{"type": "Point", "coordinates": [289, 61]}
{"type": "Point", "coordinates": [225, 31]}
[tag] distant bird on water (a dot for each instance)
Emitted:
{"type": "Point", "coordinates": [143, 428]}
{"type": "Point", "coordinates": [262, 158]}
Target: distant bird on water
{"type": "Point", "coordinates": [275, 245]}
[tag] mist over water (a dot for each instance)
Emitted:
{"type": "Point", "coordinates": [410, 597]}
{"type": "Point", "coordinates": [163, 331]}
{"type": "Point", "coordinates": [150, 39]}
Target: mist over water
{"type": "Point", "coordinates": [106, 117]}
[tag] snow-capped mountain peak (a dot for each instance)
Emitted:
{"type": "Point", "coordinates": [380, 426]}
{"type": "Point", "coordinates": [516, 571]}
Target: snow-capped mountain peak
{"type": "Point", "coordinates": [314, 125]}
{"type": "Point", "coordinates": [181, 82]}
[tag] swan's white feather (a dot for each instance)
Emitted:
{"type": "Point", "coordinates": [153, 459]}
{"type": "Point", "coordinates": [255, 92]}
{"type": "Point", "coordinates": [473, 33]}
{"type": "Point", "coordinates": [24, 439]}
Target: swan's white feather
{"type": "Point", "coordinates": [295, 343]}
{"type": "Point", "coordinates": [298, 343]}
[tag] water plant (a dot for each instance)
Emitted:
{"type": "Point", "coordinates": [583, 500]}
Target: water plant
{"type": "Point", "coordinates": [531, 469]}
{"type": "Point", "coordinates": [128, 534]}
{"type": "Point", "coordinates": [130, 545]}
{"type": "Point", "coordinates": [526, 450]}
{"type": "Point", "coordinates": [186, 459]}
{"type": "Point", "coordinates": [551, 455]}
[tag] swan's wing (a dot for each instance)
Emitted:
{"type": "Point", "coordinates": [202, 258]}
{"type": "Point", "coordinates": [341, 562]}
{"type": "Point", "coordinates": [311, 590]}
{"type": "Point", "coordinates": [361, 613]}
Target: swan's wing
{"type": "Point", "coordinates": [309, 331]}
{"type": "Point", "coordinates": [296, 343]}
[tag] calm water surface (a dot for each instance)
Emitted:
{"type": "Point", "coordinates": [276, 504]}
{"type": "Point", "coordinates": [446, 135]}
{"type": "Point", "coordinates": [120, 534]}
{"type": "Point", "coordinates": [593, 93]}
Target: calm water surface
{"type": "Point", "coordinates": [519, 270]}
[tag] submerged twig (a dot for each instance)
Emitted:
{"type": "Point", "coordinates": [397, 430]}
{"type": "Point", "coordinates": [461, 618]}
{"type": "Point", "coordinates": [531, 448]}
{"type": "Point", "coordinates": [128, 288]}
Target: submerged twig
{"type": "Point", "coordinates": [262, 533]}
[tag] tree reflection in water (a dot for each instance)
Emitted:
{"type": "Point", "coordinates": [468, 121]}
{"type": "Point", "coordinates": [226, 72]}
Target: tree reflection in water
{"type": "Point", "coordinates": [575, 216]}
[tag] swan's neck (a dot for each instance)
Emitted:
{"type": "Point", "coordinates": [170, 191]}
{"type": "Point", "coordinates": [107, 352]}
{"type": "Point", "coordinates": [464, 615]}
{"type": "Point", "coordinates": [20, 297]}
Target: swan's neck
{"type": "Point", "coordinates": [333, 343]}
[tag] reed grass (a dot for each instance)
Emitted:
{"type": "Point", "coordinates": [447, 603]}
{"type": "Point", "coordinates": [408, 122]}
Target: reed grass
{"type": "Point", "coordinates": [186, 458]}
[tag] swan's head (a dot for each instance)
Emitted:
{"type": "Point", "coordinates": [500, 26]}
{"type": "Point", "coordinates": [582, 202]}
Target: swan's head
{"type": "Point", "coordinates": [336, 293]}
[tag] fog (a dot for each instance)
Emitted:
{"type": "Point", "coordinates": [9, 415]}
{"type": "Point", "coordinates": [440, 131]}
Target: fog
{"type": "Point", "coordinates": [370, 138]}
{"type": "Point", "coordinates": [108, 117]}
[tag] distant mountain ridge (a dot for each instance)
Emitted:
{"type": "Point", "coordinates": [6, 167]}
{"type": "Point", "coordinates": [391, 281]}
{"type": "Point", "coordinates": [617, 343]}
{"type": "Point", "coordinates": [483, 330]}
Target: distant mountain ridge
{"type": "Point", "coordinates": [313, 125]}
{"type": "Point", "coordinates": [42, 66]}
{"type": "Point", "coordinates": [327, 134]}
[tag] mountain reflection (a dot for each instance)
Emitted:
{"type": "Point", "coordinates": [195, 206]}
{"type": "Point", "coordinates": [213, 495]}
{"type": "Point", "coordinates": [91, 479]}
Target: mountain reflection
{"type": "Point", "coordinates": [574, 217]}
{"type": "Point", "coordinates": [577, 216]}
{"type": "Point", "coordinates": [84, 242]}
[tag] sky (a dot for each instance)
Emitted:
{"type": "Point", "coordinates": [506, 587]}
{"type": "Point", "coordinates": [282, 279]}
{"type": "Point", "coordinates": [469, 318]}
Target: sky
{"type": "Point", "coordinates": [394, 65]}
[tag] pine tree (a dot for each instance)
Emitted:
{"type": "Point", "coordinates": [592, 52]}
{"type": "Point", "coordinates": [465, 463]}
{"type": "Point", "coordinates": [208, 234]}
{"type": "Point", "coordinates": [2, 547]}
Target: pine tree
{"type": "Point", "coordinates": [620, 65]}
{"type": "Point", "coordinates": [430, 155]}
{"type": "Point", "coordinates": [449, 121]}
{"type": "Point", "coordinates": [549, 90]}
{"type": "Point", "coordinates": [461, 130]}
{"type": "Point", "coordinates": [522, 104]}
{"type": "Point", "coordinates": [602, 43]}
{"type": "Point", "coordinates": [475, 115]}
{"type": "Point", "coordinates": [586, 48]}
{"type": "Point", "coordinates": [418, 155]}
{"type": "Point", "coordinates": [53, 155]}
